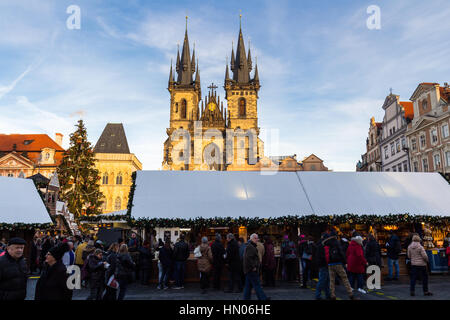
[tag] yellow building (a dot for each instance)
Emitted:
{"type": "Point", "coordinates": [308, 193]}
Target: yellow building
{"type": "Point", "coordinates": [203, 135]}
{"type": "Point", "coordinates": [116, 165]}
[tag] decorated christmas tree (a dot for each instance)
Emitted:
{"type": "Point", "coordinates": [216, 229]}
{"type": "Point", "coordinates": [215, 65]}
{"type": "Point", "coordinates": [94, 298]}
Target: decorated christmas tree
{"type": "Point", "coordinates": [78, 177]}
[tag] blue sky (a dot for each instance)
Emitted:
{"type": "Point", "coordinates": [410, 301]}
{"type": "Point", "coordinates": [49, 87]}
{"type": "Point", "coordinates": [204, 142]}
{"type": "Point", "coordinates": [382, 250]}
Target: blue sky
{"type": "Point", "coordinates": [323, 73]}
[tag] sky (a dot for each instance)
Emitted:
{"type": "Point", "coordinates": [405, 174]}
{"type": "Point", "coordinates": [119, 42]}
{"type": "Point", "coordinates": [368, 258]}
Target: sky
{"type": "Point", "coordinates": [323, 72]}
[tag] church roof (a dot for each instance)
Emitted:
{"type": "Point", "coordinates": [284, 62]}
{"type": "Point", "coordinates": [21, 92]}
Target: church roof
{"type": "Point", "coordinates": [112, 140]}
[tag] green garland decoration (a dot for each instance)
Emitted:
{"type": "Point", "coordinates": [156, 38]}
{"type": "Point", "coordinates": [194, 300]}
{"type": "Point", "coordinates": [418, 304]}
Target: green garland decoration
{"type": "Point", "coordinates": [280, 221]}
{"type": "Point", "coordinates": [24, 226]}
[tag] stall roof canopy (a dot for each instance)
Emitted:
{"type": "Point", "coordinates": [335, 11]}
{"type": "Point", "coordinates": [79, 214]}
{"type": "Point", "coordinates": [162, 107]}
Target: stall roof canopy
{"type": "Point", "coordinates": [20, 202]}
{"type": "Point", "coordinates": [209, 194]}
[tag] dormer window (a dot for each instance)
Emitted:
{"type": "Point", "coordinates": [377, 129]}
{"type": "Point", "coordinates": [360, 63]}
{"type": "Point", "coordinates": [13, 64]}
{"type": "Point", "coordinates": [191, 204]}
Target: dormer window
{"type": "Point", "coordinates": [424, 104]}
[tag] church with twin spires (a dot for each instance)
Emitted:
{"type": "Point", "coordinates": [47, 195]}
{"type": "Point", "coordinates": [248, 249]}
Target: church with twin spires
{"type": "Point", "coordinates": [199, 128]}
{"type": "Point", "coordinates": [207, 120]}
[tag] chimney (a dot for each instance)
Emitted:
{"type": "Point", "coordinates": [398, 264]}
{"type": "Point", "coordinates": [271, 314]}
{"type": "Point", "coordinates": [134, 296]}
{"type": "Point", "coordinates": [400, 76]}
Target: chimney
{"type": "Point", "coordinates": [59, 138]}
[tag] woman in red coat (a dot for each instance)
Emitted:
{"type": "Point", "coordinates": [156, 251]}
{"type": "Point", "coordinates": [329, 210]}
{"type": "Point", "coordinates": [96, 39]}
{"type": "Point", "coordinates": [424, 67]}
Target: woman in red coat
{"type": "Point", "coordinates": [356, 263]}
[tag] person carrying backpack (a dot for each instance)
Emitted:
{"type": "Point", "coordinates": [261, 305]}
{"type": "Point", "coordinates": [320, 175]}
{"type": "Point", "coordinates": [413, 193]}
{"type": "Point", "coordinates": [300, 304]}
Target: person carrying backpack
{"type": "Point", "coordinates": [336, 260]}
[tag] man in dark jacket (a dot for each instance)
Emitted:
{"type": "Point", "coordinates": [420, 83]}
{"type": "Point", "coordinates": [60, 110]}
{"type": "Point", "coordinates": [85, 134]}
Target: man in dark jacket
{"type": "Point", "coordinates": [13, 271]}
{"type": "Point", "coordinates": [251, 267]}
{"type": "Point", "coordinates": [218, 252]}
{"type": "Point", "coordinates": [145, 262]}
{"type": "Point", "coordinates": [52, 285]}
{"type": "Point", "coordinates": [166, 262]}
{"type": "Point", "coordinates": [393, 251]}
{"type": "Point", "coordinates": [96, 267]}
{"type": "Point", "coordinates": [180, 255]}
{"type": "Point", "coordinates": [336, 260]}
{"type": "Point", "coordinates": [373, 251]}
{"type": "Point", "coordinates": [321, 262]}
{"type": "Point", "coordinates": [233, 262]}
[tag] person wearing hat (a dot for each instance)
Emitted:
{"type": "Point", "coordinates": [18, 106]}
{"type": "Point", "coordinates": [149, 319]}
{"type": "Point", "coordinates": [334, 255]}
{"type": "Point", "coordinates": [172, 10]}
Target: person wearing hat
{"type": "Point", "coordinates": [52, 285]}
{"type": "Point", "coordinates": [13, 271]}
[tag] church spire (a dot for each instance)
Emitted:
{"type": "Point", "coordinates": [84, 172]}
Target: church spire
{"type": "Point", "coordinates": [240, 70]}
{"type": "Point", "coordinates": [256, 76]}
{"type": "Point", "coordinates": [171, 73]}
{"type": "Point", "coordinates": [185, 71]}
{"type": "Point", "coordinates": [193, 59]}
{"type": "Point", "coordinates": [227, 74]}
{"type": "Point", "coordinates": [177, 65]}
{"type": "Point", "coordinates": [249, 58]}
{"type": "Point", "coordinates": [232, 57]}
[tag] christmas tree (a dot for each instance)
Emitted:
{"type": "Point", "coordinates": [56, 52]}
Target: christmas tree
{"type": "Point", "coordinates": [78, 177]}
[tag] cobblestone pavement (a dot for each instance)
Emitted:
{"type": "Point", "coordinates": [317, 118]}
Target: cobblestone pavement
{"type": "Point", "coordinates": [439, 285]}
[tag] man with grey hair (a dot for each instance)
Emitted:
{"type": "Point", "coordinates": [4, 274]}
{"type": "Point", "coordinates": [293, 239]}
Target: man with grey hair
{"type": "Point", "coordinates": [69, 257]}
{"type": "Point", "coordinates": [251, 267]}
{"type": "Point", "coordinates": [218, 252]}
{"type": "Point", "coordinates": [233, 262]}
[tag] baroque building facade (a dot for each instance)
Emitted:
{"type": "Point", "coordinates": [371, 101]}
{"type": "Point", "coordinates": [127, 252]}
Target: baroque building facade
{"type": "Point", "coordinates": [25, 155]}
{"type": "Point", "coordinates": [116, 164]}
{"type": "Point", "coordinates": [393, 146]}
{"type": "Point", "coordinates": [428, 134]}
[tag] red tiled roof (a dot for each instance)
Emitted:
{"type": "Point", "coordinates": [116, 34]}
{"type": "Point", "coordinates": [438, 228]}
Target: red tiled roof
{"type": "Point", "coordinates": [445, 93]}
{"type": "Point", "coordinates": [31, 144]}
{"type": "Point", "coordinates": [409, 109]}
{"type": "Point", "coordinates": [27, 142]}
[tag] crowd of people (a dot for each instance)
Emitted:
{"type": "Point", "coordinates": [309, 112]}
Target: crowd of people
{"type": "Point", "coordinates": [252, 264]}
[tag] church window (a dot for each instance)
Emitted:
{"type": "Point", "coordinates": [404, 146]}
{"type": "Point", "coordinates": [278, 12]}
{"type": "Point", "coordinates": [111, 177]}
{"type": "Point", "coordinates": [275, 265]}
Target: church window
{"type": "Point", "coordinates": [118, 204]}
{"type": "Point", "coordinates": [119, 179]}
{"type": "Point", "coordinates": [242, 107]}
{"type": "Point", "coordinates": [105, 178]}
{"type": "Point", "coordinates": [176, 107]}
{"type": "Point", "coordinates": [183, 109]}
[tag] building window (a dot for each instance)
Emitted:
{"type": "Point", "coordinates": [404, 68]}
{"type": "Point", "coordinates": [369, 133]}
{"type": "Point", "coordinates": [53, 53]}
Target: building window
{"type": "Point", "coordinates": [242, 107]}
{"type": "Point", "coordinates": [392, 149]}
{"type": "Point", "coordinates": [47, 156]}
{"type": "Point", "coordinates": [399, 167]}
{"type": "Point", "coordinates": [118, 204]}
{"type": "Point", "coordinates": [447, 157]}
{"type": "Point", "coordinates": [386, 155]}
{"type": "Point", "coordinates": [105, 178]}
{"type": "Point", "coordinates": [424, 104]}
{"type": "Point", "coordinates": [422, 141]}
{"type": "Point", "coordinates": [413, 144]}
{"type": "Point", "coordinates": [183, 109]}
{"type": "Point", "coordinates": [11, 175]}
{"type": "Point", "coordinates": [119, 179]}
{"type": "Point", "coordinates": [397, 145]}
{"type": "Point", "coordinates": [434, 137]}
{"type": "Point", "coordinates": [394, 168]}
{"type": "Point", "coordinates": [403, 142]}
{"type": "Point", "coordinates": [425, 165]}
{"type": "Point", "coordinates": [387, 170]}
{"type": "Point", "coordinates": [416, 166]}
{"type": "Point", "coordinates": [445, 133]}
{"type": "Point", "coordinates": [437, 161]}
{"type": "Point", "coordinates": [405, 166]}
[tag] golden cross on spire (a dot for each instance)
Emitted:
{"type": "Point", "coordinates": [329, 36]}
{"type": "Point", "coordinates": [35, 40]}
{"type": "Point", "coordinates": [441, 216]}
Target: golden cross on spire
{"type": "Point", "coordinates": [240, 18]}
{"type": "Point", "coordinates": [186, 18]}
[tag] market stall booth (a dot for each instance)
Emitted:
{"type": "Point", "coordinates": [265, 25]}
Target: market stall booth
{"type": "Point", "coordinates": [278, 203]}
{"type": "Point", "coordinates": [22, 210]}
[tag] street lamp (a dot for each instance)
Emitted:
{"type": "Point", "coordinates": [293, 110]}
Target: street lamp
{"type": "Point", "coordinates": [406, 149]}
